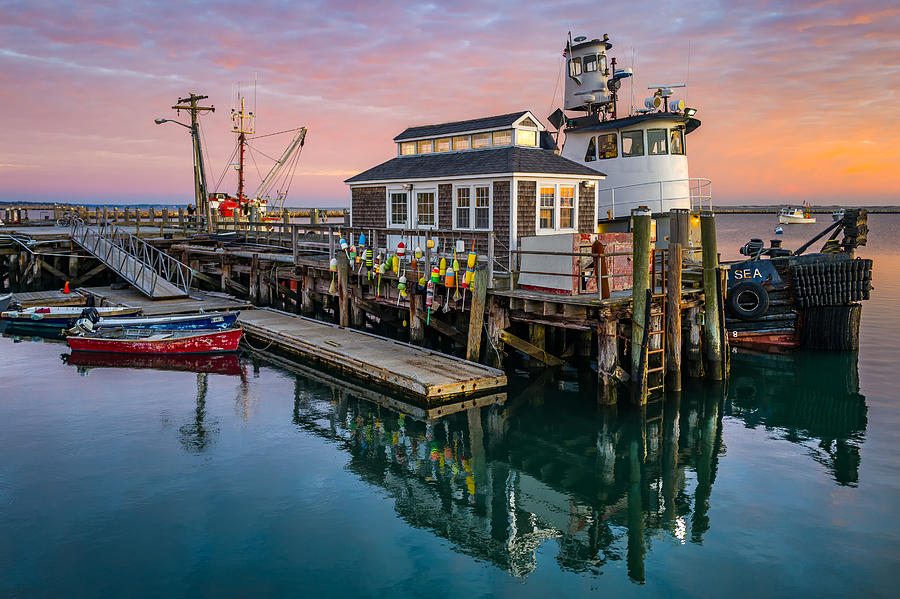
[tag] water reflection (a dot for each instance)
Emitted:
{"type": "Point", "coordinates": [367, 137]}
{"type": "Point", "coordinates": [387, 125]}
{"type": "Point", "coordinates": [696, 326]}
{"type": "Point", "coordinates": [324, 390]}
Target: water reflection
{"type": "Point", "coordinates": [546, 469]}
{"type": "Point", "coordinates": [199, 434]}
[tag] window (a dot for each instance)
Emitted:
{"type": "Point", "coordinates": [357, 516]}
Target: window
{"type": "Point", "coordinates": [566, 207]}
{"type": "Point", "coordinates": [481, 140]}
{"type": "Point", "coordinates": [463, 208]}
{"type": "Point", "coordinates": [677, 140]}
{"type": "Point", "coordinates": [475, 215]}
{"type": "Point", "coordinates": [503, 138]}
{"type": "Point", "coordinates": [407, 148]}
{"type": "Point", "coordinates": [528, 123]}
{"type": "Point", "coordinates": [425, 209]}
{"type": "Point", "coordinates": [548, 207]}
{"type": "Point", "coordinates": [602, 64]}
{"type": "Point", "coordinates": [442, 144]}
{"type": "Point", "coordinates": [607, 146]}
{"type": "Point", "coordinates": [632, 143]}
{"type": "Point", "coordinates": [590, 63]}
{"type": "Point", "coordinates": [575, 67]}
{"type": "Point", "coordinates": [461, 142]}
{"type": "Point", "coordinates": [591, 154]}
{"type": "Point", "coordinates": [424, 147]}
{"type": "Point", "coordinates": [526, 138]}
{"type": "Point", "coordinates": [656, 142]}
{"type": "Point", "coordinates": [398, 208]}
{"type": "Point", "coordinates": [483, 207]}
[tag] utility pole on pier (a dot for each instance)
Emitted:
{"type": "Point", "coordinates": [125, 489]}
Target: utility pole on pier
{"type": "Point", "coordinates": [201, 192]}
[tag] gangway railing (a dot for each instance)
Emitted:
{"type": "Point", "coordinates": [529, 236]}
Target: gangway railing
{"type": "Point", "coordinates": [152, 271]}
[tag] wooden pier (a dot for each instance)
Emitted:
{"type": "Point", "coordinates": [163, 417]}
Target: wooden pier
{"type": "Point", "coordinates": [413, 371]}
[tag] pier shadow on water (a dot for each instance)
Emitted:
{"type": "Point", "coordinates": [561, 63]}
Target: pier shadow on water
{"type": "Point", "coordinates": [543, 470]}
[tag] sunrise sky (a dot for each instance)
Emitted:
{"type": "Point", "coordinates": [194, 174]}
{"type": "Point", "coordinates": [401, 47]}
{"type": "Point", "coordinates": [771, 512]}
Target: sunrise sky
{"type": "Point", "coordinates": [797, 99]}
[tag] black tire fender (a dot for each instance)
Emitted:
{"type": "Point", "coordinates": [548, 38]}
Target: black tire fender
{"type": "Point", "coordinates": [752, 295]}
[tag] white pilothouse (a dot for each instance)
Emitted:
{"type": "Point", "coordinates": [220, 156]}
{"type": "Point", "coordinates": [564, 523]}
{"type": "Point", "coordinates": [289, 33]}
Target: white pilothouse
{"type": "Point", "coordinates": [643, 154]}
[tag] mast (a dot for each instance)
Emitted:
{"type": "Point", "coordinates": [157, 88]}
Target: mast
{"type": "Point", "coordinates": [243, 126]}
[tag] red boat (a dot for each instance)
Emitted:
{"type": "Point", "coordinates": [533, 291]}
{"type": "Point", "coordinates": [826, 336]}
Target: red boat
{"type": "Point", "coordinates": [143, 341]}
{"type": "Point", "coordinates": [227, 364]}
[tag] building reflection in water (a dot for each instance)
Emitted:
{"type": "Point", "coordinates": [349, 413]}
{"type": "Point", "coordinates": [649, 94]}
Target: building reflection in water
{"type": "Point", "coordinates": [547, 467]}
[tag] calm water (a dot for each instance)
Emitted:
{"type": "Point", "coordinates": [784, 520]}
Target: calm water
{"type": "Point", "coordinates": [265, 481]}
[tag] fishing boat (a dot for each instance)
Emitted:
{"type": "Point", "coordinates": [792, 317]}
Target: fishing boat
{"type": "Point", "coordinates": [796, 216]}
{"type": "Point", "coordinates": [147, 341]}
{"type": "Point", "coordinates": [178, 322]}
{"type": "Point", "coordinates": [4, 301]}
{"type": "Point", "coordinates": [59, 317]}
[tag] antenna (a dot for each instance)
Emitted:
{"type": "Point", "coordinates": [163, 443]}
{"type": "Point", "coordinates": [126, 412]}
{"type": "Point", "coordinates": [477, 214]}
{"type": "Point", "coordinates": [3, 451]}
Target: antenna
{"type": "Point", "coordinates": [632, 82]}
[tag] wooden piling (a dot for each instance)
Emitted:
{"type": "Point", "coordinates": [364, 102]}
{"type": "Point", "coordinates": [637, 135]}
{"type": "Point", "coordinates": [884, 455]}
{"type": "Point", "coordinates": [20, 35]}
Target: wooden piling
{"type": "Point", "coordinates": [693, 343]}
{"type": "Point", "coordinates": [673, 318]}
{"type": "Point", "coordinates": [607, 361]}
{"type": "Point", "coordinates": [711, 325]}
{"type": "Point", "coordinates": [254, 279]}
{"type": "Point", "coordinates": [343, 287]}
{"type": "Point", "coordinates": [641, 285]}
{"type": "Point", "coordinates": [476, 315]}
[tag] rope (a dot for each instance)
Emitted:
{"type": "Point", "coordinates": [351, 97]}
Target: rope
{"type": "Point", "coordinates": [246, 340]}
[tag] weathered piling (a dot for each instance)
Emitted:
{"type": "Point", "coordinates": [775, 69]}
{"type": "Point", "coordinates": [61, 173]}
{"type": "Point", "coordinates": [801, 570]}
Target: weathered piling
{"type": "Point", "coordinates": [607, 359]}
{"type": "Point", "coordinates": [711, 324]}
{"type": "Point", "coordinates": [476, 316]}
{"type": "Point", "coordinates": [673, 318]}
{"type": "Point", "coordinates": [640, 287]}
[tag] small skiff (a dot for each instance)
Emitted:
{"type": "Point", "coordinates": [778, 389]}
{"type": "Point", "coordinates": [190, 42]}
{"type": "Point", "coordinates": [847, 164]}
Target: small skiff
{"type": "Point", "coordinates": [59, 316]}
{"type": "Point", "coordinates": [179, 322]}
{"type": "Point", "coordinates": [147, 341]}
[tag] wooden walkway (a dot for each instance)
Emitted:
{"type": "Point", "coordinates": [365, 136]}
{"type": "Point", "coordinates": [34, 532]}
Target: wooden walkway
{"type": "Point", "coordinates": [199, 300]}
{"type": "Point", "coordinates": [413, 371]}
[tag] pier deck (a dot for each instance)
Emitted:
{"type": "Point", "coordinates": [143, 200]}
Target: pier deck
{"type": "Point", "coordinates": [413, 371]}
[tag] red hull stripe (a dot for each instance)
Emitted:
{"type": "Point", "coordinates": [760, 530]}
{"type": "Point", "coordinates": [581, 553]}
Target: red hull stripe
{"type": "Point", "coordinates": [211, 343]}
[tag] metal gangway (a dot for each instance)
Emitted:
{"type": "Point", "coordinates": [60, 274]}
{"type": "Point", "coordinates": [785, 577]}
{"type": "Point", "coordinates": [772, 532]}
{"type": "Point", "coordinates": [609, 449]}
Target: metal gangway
{"type": "Point", "coordinates": [153, 272]}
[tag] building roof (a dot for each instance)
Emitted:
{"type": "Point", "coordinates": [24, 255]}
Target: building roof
{"type": "Point", "coordinates": [494, 161]}
{"type": "Point", "coordinates": [490, 122]}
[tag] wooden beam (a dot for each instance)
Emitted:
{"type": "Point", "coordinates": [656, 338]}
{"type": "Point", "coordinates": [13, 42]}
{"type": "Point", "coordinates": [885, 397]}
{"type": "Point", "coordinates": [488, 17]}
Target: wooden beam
{"type": "Point", "coordinates": [445, 329]}
{"type": "Point", "coordinates": [476, 314]}
{"type": "Point", "coordinates": [535, 352]}
{"type": "Point", "coordinates": [53, 271]}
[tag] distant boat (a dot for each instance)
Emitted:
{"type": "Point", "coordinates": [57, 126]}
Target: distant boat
{"type": "Point", "coordinates": [144, 341]}
{"type": "Point", "coordinates": [796, 216]}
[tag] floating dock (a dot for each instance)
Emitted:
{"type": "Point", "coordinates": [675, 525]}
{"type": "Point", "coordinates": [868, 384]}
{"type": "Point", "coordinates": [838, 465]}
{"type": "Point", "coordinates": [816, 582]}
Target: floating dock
{"type": "Point", "coordinates": [413, 371]}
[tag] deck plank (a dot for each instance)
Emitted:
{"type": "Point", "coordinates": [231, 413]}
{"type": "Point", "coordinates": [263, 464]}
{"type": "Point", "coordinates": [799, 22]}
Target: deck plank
{"type": "Point", "coordinates": [414, 371]}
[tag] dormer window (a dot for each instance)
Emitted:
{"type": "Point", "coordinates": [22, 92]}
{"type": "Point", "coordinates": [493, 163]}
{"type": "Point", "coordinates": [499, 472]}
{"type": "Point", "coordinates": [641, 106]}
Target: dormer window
{"type": "Point", "coordinates": [442, 144]}
{"type": "Point", "coordinates": [425, 146]}
{"type": "Point", "coordinates": [503, 138]}
{"type": "Point", "coordinates": [526, 138]}
{"type": "Point", "coordinates": [461, 142]}
{"type": "Point", "coordinates": [407, 148]}
{"type": "Point", "coordinates": [481, 140]}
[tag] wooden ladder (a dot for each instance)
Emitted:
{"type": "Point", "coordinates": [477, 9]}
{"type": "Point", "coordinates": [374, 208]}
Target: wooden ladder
{"type": "Point", "coordinates": [656, 358]}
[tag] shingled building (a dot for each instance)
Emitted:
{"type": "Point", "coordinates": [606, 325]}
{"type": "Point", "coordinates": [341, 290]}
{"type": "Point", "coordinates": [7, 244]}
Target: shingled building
{"type": "Point", "coordinates": [499, 174]}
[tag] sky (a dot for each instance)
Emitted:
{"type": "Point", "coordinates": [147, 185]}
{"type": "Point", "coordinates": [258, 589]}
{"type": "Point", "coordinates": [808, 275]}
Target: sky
{"type": "Point", "coordinates": [797, 99]}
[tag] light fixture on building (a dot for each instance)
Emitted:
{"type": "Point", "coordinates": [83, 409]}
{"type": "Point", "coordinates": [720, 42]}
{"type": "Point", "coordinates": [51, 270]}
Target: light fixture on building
{"type": "Point", "coordinates": [690, 111]}
{"type": "Point", "coordinates": [587, 183]}
{"type": "Point", "coordinates": [407, 186]}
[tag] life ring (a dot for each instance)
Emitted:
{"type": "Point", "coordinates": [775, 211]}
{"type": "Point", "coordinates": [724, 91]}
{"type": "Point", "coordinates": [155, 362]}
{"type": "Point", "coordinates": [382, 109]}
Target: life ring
{"type": "Point", "coordinates": [748, 300]}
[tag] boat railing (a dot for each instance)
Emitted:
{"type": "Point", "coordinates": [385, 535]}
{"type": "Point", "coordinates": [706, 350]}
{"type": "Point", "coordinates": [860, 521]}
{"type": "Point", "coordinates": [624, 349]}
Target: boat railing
{"type": "Point", "coordinates": [656, 194]}
{"type": "Point", "coordinates": [131, 257]}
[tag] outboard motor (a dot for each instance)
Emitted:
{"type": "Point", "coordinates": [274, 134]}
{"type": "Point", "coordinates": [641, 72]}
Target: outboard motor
{"type": "Point", "coordinates": [91, 314]}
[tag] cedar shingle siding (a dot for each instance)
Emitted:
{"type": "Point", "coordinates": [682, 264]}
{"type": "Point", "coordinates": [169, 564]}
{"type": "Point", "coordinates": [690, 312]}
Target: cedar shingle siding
{"type": "Point", "coordinates": [527, 202]}
{"type": "Point", "coordinates": [445, 206]}
{"type": "Point", "coordinates": [586, 222]}
{"type": "Point", "coordinates": [369, 206]}
{"type": "Point", "coordinates": [501, 218]}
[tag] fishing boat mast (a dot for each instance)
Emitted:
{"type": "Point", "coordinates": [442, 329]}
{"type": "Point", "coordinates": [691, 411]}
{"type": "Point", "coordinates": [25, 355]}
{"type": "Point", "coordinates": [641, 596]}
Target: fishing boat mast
{"type": "Point", "coordinates": [243, 126]}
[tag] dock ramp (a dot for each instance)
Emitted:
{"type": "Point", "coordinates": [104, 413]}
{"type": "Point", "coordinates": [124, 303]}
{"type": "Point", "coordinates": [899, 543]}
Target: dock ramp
{"type": "Point", "coordinates": [153, 272]}
{"type": "Point", "coordinates": [425, 375]}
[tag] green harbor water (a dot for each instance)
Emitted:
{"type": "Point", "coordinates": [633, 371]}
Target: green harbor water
{"type": "Point", "coordinates": [256, 479]}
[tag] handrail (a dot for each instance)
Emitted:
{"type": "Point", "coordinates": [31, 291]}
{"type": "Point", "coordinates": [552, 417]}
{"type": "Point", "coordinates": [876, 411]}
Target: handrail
{"type": "Point", "coordinates": [699, 192]}
{"type": "Point", "coordinates": [120, 246]}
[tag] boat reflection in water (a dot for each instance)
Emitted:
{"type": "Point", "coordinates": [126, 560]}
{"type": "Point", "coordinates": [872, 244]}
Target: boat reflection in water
{"type": "Point", "coordinates": [227, 364]}
{"type": "Point", "coordinates": [545, 468]}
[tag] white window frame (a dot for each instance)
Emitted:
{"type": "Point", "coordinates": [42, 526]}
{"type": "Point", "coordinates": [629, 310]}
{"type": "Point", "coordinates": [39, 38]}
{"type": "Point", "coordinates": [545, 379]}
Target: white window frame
{"type": "Point", "coordinates": [415, 207]}
{"type": "Point", "coordinates": [472, 204]}
{"type": "Point", "coordinates": [389, 210]}
{"type": "Point", "coordinates": [537, 214]}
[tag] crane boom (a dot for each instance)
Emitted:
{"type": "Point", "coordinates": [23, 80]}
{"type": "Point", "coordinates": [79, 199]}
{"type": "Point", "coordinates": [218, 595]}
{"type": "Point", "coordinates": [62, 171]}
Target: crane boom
{"type": "Point", "coordinates": [270, 178]}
